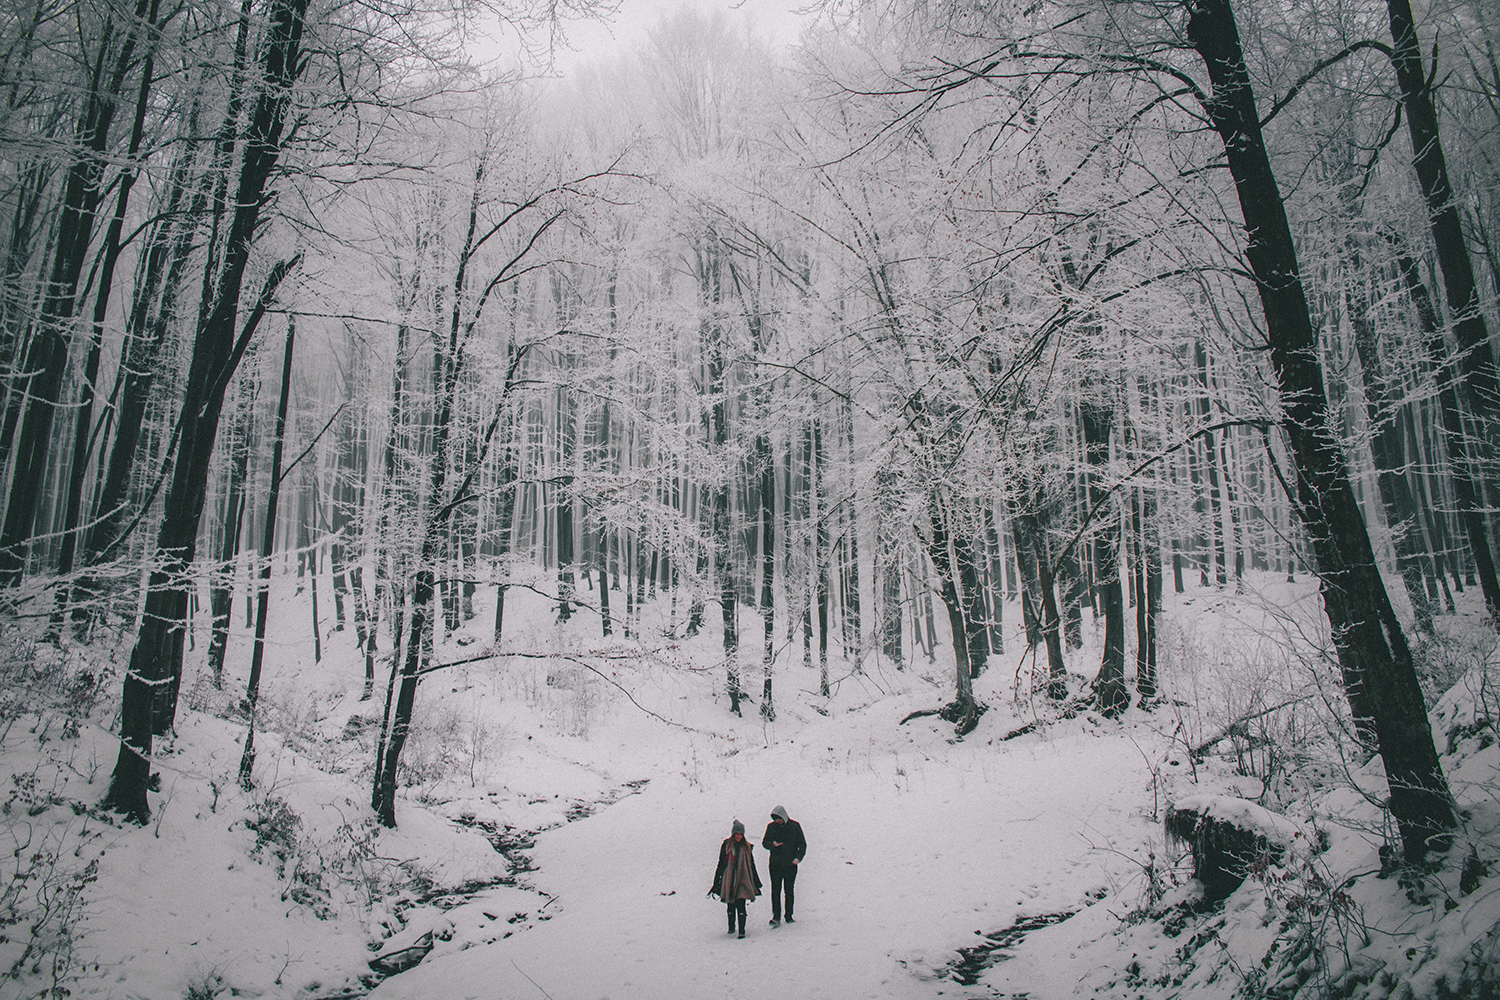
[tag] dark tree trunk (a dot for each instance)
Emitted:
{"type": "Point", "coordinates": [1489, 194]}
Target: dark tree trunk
{"type": "Point", "coordinates": [46, 357]}
{"type": "Point", "coordinates": [1476, 357]}
{"type": "Point", "coordinates": [1075, 588]}
{"type": "Point", "coordinates": [1109, 684]}
{"type": "Point", "coordinates": [263, 574]}
{"type": "Point", "coordinates": [965, 711]}
{"type": "Point", "coordinates": [1146, 684]}
{"type": "Point", "coordinates": [606, 625]}
{"type": "Point", "coordinates": [976, 636]}
{"type": "Point", "coordinates": [1379, 676]}
{"type": "Point", "coordinates": [221, 590]}
{"type": "Point", "coordinates": [83, 418]}
{"type": "Point", "coordinates": [1211, 463]}
{"type": "Point", "coordinates": [996, 589]}
{"type": "Point", "coordinates": [820, 552]}
{"type": "Point", "coordinates": [565, 569]}
{"type": "Point", "coordinates": [1023, 529]}
{"type": "Point", "coordinates": [156, 657]}
{"type": "Point", "coordinates": [888, 555]}
{"type": "Point", "coordinates": [1462, 463]}
{"type": "Point", "coordinates": [1390, 463]}
{"type": "Point", "coordinates": [767, 571]}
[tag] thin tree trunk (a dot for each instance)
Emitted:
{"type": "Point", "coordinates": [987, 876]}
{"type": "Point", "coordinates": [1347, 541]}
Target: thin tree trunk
{"type": "Point", "coordinates": [221, 589]}
{"type": "Point", "coordinates": [83, 418]}
{"type": "Point", "coordinates": [1462, 463]}
{"type": "Point", "coordinates": [1109, 683]}
{"type": "Point", "coordinates": [821, 556]}
{"type": "Point", "coordinates": [964, 712]}
{"type": "Point", "coordinates": [996, 589]}
{"type": "Point", "coordinates": [1211, 462]}
{"type": "Point", "coordinates": [1390, 463]}
{"type": "Point", "coordinates": [263, 573]}
{"type": "Point", "coordinates": [888, 556]}
{"type": "Point", "coordinates": [46, 358]}
{"type": "Point", "coordinates": [767, 572]}
{"type": "Point", "coordinates": [1476, 358]}
{"type": "Point", "coordinates": [977, 635]}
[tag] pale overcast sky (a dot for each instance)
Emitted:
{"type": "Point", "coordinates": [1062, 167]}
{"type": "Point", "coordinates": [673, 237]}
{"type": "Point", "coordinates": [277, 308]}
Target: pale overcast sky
{"type": "Point", "coordinates": [776, 20]}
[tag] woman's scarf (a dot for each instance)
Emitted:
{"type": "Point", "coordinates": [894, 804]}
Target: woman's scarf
{"type": "Point", "coordinates": [739, 875]}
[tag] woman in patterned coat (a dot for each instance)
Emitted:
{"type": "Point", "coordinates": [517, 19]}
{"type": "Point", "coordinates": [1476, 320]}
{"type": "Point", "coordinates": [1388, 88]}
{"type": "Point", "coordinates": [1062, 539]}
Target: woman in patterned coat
{"type": "Point", "coordinates": [736, 881]}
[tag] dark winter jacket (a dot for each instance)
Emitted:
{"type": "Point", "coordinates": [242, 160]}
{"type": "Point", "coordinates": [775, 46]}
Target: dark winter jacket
{"type": "Point", "coordinates": [723, 890]}
{"type": "Point", "coordinates": [785, 842]}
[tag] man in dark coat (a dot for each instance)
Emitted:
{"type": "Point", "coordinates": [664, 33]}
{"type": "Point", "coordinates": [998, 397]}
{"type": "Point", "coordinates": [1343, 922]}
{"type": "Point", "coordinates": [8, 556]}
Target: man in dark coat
{"type": "Point", "coordinates": [788, 846]}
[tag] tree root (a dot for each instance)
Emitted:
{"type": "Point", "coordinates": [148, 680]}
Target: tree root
{"type": "Point", "coordinates": [964, 716]}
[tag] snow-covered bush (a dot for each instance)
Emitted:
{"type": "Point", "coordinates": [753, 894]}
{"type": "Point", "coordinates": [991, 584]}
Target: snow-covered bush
{"type": "Point", "coordinates": [279, 836]}
{"type": "Point", "coordinates": [42, 882]}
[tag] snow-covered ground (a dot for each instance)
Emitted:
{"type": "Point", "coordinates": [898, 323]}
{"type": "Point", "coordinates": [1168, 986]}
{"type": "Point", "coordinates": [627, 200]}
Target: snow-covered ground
{"type": "Point", "coordinates": [922, 847]}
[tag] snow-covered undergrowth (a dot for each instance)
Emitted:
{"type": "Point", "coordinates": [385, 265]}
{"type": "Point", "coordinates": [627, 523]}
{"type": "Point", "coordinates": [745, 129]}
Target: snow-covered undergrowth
{"type": "Point", "coordinates": [937, 867]}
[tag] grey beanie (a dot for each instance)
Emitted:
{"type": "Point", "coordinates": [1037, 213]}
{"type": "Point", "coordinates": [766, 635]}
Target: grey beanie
{"type": "Point", "coordinates": [781, 811]}
{"type": "Point", "coordinates": [737, 828]}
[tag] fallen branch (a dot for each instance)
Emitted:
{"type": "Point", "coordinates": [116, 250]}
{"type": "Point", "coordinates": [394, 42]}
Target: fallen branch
{"type": "Point", "coordinates": [1237, 727]}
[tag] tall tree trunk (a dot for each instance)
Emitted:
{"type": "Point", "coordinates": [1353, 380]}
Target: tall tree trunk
{"type": "Point", "coordinates": [156, 655]}
{"type": "Point", "coordinates": [888, 558]}
{"type": "Point", "coordinates": [996, 590]}
{"type": "Point", "coordinates": [1109, 685]}
{"type": "Point", "coordinates": [263, 573]}
{"type": "Point", "coordinates": [821, 558]}
{"type": "Point", "coordinates": [1390, 462]}
{"type": "Point", "coordinates": [976, 635]}
{"type": "Point", "coordinates": [1211, 463]}
{"type": "Point", "coordinates": [1145, 666]}
{"type": "Point", "coordinates": [1026, 536]}
{"type": "Point", "coordinates": [1476, 358]}
{"type": "Point", "coordinates": [604, 620]}
{"type": "Point", "coordinates": [964, 711]}
{"type": "Point", "coordinates": [83, 418]}
{"type": "Point", "coordinates": [46, 358]}
{"type": "Point", "coordinates": [767, 571]}
{"type": "Point", "coordinates": [1462, 462]}
{"type": "Point", "coordinates": [1379, 676]}
{"type": "Point", "coordinates": [156, 658]}
{"type": "Point", "coordinates": [221, 588]}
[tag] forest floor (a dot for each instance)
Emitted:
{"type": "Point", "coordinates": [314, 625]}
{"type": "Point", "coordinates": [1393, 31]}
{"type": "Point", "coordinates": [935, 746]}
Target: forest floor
{"type": "Point", "coordinates": [567, 799]}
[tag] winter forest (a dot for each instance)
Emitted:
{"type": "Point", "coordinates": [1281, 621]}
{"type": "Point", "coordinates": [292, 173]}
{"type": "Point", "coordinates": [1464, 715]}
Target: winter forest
{"type": "Point", "coordinates": [1053, 448]}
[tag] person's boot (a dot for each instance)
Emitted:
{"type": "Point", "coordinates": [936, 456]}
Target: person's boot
{"type": "Point", "coordinates": [742, 925]}
{"type": "Point", "coordinates": [731, 921]}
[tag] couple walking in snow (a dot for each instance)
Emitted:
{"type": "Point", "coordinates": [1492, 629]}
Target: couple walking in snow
{"type": "Point", "coordinates": [737, 882]}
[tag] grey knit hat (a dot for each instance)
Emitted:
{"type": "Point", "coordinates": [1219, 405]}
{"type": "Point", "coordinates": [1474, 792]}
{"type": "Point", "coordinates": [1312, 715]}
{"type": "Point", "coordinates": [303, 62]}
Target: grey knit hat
{"type": "Point", "coordinates": [737, 828]}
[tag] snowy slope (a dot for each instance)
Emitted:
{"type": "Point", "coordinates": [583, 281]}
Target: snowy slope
{"type": "Point", "coordinates": [923, 850]}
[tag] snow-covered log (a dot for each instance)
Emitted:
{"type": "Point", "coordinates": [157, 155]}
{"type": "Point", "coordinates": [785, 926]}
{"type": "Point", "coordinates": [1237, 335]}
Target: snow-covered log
{"type": "Point", "coordinates": [1227, 836]}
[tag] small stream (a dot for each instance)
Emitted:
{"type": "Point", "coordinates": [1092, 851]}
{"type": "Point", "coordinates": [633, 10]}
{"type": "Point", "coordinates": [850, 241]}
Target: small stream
{"type": "Point", "coordinates": [996, 945]}
{"type": "Point", "coordinates": [512, 844]}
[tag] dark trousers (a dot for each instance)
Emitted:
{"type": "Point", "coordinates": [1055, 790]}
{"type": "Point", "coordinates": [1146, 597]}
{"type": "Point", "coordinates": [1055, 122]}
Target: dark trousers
{"type": "Point", "coordinates": [783, 877]}
{"type": "Point", "coordinates": [737, 908]}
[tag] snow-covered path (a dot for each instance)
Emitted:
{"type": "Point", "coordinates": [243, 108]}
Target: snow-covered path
{"type": "Point", "coordinates": [916, 844]}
